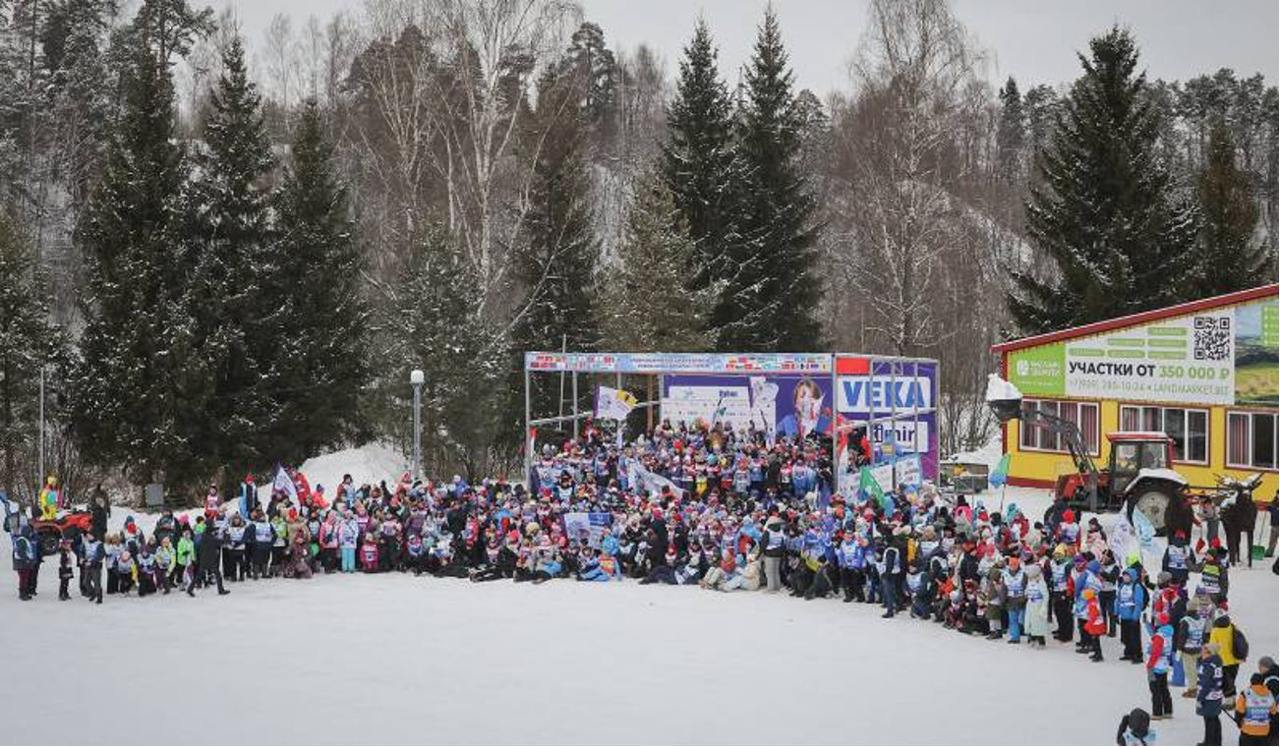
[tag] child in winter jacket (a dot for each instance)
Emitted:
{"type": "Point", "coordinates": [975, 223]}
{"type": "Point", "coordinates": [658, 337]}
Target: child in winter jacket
{"type": "Point", "coordinates": [1095, 625]}
{"type": "Point", "coordinates": [185, 557]}
{"type": "Point", "coordinates": [165, 563]}
{"type": "Point", "coordinates": [1036, 618]}
{"type": "Point", "coordinates": [369, 552]}
{"type": "Point", "coordinates": [348, 538]}
{"type": "Point", "coordinates": [1131, 600]}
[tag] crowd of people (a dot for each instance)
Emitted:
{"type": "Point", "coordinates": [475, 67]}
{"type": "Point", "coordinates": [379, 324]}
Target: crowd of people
{"type": "Point", "coordinates": [727, 511]}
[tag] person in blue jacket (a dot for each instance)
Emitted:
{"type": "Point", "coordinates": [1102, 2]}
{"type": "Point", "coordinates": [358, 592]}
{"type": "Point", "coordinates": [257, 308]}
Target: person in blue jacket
{"type": "Point", "coordinates": [26, 550]}
{"type": "Point", "coordinates": [1131, 600]}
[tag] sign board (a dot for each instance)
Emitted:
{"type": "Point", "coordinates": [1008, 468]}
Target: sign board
{"type": "Point", "coordinates": [1221, 356]}
{"type": "Point", "coordinates": [782, 405]}
{"type": "Point", "coordinates": [703, 363]}
{"type": "Point", "coordinates": [896, 401]}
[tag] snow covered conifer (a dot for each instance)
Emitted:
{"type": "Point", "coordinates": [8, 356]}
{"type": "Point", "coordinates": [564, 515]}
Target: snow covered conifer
{"type": "Point", "coordinates": [699, 161]}
{"type": "Point", "coordinates": [1103, 209]}
{"type": "Point", "coordinates": [227, 239]}
{"type": "Point", "coordinates": [770, 294]}
{"type": "Point", "coordinates": [645, 303]}
{"type": "Point", "coordinates": [1230, 258]}
{"type": "Point", "coordinates": [28, 340]}
{"type": "Point", "coordinates": [140, 394]}
{"type": "Point", "coordinates": [317, 327]}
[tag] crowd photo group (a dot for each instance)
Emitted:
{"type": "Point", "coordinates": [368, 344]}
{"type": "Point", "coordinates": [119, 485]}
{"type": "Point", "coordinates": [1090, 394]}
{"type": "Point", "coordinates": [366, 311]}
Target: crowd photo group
{"type": "Point", "coordinates": [724, 510]}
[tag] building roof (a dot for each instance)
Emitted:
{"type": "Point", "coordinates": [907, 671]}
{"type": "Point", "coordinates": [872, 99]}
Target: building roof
{"type": "Point", "coordinates": [1143, 317]}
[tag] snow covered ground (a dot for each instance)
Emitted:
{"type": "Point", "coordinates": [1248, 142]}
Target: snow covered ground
{"type": "Point", "coordinates": [394, 659]}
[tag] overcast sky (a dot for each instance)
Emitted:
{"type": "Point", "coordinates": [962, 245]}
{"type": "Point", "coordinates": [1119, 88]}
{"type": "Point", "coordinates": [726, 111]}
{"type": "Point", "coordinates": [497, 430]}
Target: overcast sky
{"type": "Point", "coordinates": [1033, 40]}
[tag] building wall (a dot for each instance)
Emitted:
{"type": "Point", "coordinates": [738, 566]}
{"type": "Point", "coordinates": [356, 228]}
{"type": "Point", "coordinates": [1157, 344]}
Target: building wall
{"type": "Point", "coordinates": [1040, 468]}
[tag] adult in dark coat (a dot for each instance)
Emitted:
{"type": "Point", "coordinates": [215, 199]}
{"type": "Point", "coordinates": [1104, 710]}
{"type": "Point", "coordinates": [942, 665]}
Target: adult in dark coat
{"type": "Point", "coordinates": [208, 559]}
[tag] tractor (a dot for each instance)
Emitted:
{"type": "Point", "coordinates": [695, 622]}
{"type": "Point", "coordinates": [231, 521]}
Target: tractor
{"type": "Point", "coordinates": [1138, 475]}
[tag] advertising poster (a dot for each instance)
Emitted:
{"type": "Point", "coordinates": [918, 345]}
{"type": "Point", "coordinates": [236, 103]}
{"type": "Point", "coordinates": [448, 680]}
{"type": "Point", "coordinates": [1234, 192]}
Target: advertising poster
{"type": "Point", "coordinates": [1221, 356]}
{"type": "Point", "coordinates": [900, 397]}
{"type": "Point", "coordinates": [786, 405]}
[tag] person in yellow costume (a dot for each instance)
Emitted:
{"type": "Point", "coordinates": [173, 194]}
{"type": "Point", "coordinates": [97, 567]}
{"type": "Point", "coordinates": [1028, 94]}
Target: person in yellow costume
{"type": "Point", "coordinates": [50, 498]}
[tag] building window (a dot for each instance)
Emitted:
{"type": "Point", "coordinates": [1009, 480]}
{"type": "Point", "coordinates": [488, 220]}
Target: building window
{"type": "Point", "coordinates": [1251, 440]}
{"type": "Point", "coordinates": [1189, 429]}
{"type": "Point", "coordinates": [1040, 438]}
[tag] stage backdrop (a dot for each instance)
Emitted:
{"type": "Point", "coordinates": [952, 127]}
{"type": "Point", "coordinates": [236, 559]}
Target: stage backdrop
{"type": "Point", "coordinates": [782, 404]}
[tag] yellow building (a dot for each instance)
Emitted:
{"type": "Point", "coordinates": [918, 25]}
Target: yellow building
{"type": "Point", "coordinates": [1204, 372]}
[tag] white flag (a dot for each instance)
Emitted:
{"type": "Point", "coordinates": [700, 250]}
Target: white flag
{"type": "Point", "coordinates": [284, 484]}
{"type": "Point", "coordinates": [614, 404]}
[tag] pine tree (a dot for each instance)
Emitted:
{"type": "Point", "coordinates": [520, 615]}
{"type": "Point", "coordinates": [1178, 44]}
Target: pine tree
{"type": "Point", "coordinates": [1104, 211]}
{"type": "Point", "coordinates": [589, 58]}
{"type": "Point", "coordinates": [645, 304]}
{"type": "Point", "coordinates": [140, 395]}
{"type": "Point", "coordinates": [556, 267]}
{"type": "Point", "coordinates": [700, 166]}
{"type": "Point", "coordinates": [317, 331]}
{"type": "Point", "coordinates": [28, 340]}
{"type": "Point", "coordinates": [770, 295]}
{"type": "Point", "coordinates": [1010, 133]}
{"type": "Point", "coordinates": [1230, 258]}
{"type": "Point", "coordinates": [227, 241]}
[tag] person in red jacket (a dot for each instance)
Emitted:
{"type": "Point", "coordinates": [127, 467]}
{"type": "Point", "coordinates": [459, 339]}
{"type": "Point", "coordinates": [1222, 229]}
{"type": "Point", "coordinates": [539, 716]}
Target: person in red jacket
{"type": "Point", "coordinates": [1095, 626]}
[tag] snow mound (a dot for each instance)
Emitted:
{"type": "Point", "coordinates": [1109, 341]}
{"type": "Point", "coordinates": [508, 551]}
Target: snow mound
{"type": "Point", "coordinates": [370, 463]}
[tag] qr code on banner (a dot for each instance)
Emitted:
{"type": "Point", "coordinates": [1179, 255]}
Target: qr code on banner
{"type": "Point", "coordinates": [1212, 338]}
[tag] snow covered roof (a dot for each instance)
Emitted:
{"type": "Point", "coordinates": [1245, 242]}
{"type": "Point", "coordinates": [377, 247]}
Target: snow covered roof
{"type": "Point", "coordinates": [1144, 317]}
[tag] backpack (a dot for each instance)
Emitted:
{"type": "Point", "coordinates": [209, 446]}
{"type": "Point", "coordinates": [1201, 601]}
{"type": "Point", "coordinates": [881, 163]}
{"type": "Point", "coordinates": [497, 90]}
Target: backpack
{"type": "Point", "coordinates": [1239, 644]}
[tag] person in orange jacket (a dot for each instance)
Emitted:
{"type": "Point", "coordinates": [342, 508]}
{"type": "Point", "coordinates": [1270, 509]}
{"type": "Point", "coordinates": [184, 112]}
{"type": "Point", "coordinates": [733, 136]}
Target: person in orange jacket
{"type": "Point", "coordinates": [1255, 707]}
{"type": "Point", "coordinates": [1095, 626]}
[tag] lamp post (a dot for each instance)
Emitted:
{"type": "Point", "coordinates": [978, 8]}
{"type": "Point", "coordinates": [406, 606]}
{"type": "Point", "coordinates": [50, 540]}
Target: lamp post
{"type": "Point", "coordinates": [416, 377]}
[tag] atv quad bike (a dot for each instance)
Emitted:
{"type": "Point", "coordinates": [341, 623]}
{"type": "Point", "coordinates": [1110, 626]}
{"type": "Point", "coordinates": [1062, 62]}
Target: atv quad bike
{"type": "Point", "coordinates": [66, 525]}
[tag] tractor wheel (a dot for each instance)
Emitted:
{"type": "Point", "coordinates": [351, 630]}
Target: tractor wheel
{"type": "Point", "coordinates": [1153, 501]}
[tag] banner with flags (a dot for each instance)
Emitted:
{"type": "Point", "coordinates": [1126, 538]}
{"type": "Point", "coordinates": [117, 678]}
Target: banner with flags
{"type": "Point", "coordinates": [1000, 475]}
{"type": "Point", "coordinates": [614, 404]}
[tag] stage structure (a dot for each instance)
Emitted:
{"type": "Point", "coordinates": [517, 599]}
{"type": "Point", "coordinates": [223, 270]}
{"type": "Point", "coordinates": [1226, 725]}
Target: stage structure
{"type": "Point", "coordinates": [890, 400]}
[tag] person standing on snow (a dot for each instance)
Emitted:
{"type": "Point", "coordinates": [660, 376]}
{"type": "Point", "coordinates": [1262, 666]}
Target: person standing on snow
{"type": "Point", "coordinates": [1159, 664]}
{"type": "Point", "coordinates": [1209, 694]}
{"type": "Point", "coordinates": [208, 558]}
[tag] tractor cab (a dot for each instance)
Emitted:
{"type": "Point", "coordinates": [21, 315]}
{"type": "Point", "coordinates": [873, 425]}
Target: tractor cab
{"type": "Point", "coordinates": [1134, 451]}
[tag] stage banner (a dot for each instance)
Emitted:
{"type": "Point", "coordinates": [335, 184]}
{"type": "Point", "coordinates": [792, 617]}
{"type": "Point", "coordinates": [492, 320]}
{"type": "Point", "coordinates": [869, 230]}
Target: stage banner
{"type": "Point", "coordinates": [895, 401]}
{"type": "Point", "coordinates": [781, 405]}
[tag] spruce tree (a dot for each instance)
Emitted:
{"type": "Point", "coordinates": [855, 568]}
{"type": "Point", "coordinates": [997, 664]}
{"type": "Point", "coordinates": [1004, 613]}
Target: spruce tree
{"type": "Point", "coordinates": [1011, 132]}
{"type": "Point", "coordinates": [28, 340]}
{"type": "Point", "coordinates": [1229, 257]}
{"type": "Point", "coordinates": [140, 395]}
{"type": "Point", "coordinates": [432, 321]}
{"type": "Point", "coordinates": [770, 293]}
{"type": "Point", "coordinates": [317, 330]}
{"type": "Point", "coordinates": [700, 166]}
{"type": "Point", "coordinates": [645, 304]}
{"type": "Point", "coordinates": [227, 240]}
{"type": "Point", "coordinates": [1104, 211]}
